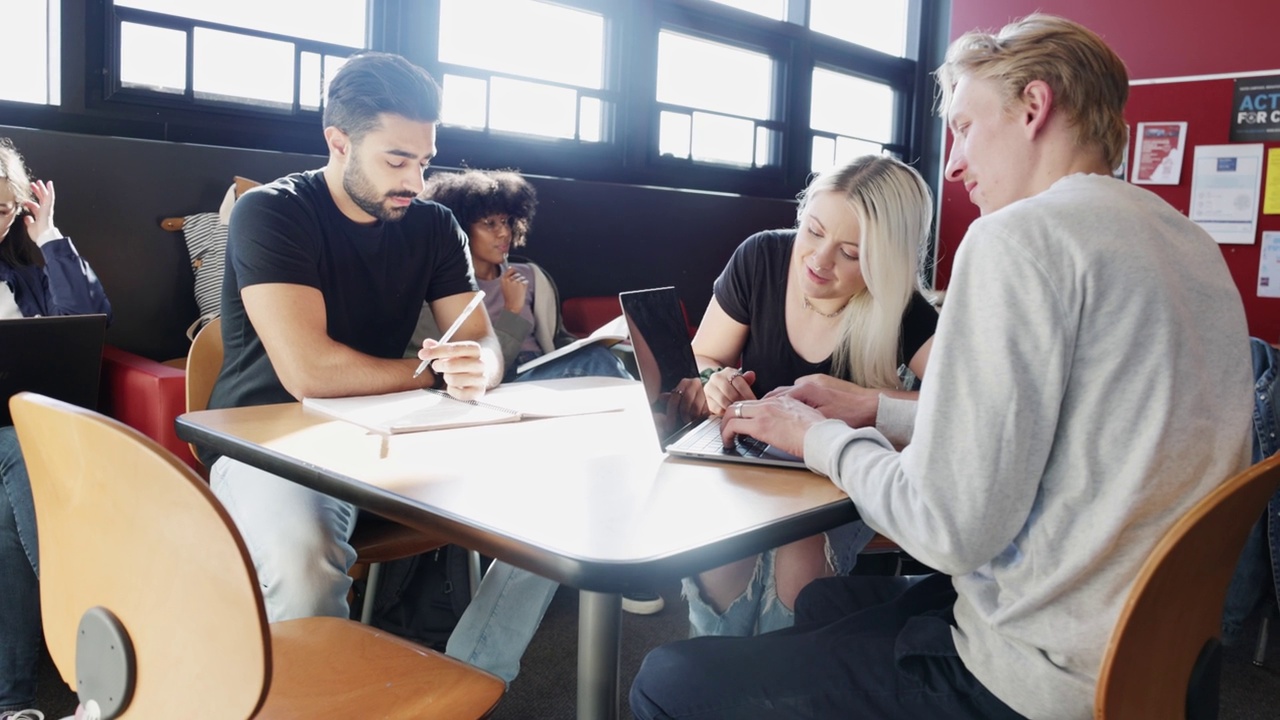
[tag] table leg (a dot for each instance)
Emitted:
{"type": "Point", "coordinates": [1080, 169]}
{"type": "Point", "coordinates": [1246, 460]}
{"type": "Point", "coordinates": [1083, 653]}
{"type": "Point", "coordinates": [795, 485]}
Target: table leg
{"type": "Point", "coordinates": [599, 653]}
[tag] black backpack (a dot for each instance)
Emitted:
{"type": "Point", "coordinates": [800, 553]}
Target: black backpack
{"type": "Point", "coordinates": [422, 597]}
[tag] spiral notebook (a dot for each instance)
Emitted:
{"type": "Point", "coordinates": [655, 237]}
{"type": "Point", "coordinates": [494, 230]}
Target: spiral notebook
{"type": "Point", "coordinates": [420, 410]}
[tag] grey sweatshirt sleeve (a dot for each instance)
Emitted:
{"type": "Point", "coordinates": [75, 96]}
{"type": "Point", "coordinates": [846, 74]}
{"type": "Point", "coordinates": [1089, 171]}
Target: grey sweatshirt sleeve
{"type": "Point", "coordinates": [896, 419]}
{"type": "Point", "coordinates": [962, 490]}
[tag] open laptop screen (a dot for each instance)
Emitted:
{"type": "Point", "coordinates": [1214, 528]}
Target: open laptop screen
{"type": "Point", "coordinates": [665, 360]}
{"type": "Point", "coordinates": [60, 357]}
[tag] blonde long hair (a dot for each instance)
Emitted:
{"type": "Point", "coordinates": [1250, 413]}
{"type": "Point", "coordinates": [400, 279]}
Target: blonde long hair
{"type": "Point", "coordinates": [895, 210]}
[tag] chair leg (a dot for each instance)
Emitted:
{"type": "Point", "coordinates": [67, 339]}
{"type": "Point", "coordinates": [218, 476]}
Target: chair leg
{"type": "Point", "coordinates": [370, 592]}
{"type": "Point", "coordinates": [1260, 652]}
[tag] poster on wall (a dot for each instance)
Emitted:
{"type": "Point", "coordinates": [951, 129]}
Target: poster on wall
{"type": "Point", "coordinates": [1255, 110]}
{"type": "Point", "coordinates": [1269, 265]}
{"type": "Point", "coordinates": [1225, 181]}
{"type": "Point", "coordinates": [1157, 157]}
{"type": "Point", "coordinates": [1271, 196]}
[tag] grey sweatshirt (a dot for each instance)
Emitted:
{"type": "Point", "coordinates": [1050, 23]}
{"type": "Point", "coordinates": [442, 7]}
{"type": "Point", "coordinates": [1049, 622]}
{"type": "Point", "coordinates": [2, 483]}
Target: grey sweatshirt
{"type": "Point", "coordinates": [1089, 382]}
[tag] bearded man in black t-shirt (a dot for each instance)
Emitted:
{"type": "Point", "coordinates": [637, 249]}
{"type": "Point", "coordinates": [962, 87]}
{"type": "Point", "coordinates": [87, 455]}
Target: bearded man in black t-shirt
{"type": "Point", "coordinates": [326, 273]}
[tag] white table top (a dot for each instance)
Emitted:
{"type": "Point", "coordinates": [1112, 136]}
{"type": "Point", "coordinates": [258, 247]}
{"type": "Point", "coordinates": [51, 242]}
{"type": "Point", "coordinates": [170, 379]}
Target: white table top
{"type": "Point", "coordinates": [589, 500]}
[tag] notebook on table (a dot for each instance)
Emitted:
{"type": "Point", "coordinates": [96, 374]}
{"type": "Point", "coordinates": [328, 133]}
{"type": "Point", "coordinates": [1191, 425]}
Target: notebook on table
{"type": "Point", "coordinates": [419, 410]}
{"type": "Point", "coordinates": [60, 357]}
{"type": "Point", "coordinates": [669, 373]}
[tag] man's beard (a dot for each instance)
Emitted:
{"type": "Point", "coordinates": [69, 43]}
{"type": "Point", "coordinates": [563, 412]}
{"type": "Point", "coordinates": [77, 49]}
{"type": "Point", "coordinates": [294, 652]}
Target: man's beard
{"type": "Point", "coordinates": [366, 196]}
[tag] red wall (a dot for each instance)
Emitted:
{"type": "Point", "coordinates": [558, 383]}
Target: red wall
{"type": "Point", "coordinates": [1156, 39]}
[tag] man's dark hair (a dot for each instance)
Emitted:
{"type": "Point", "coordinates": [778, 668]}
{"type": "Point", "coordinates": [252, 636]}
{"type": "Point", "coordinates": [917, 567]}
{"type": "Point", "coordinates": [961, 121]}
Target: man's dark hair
{"type": "Point", "coordinates": [474, 195]}
{"type": "Point", "coordinates": [372, 83]}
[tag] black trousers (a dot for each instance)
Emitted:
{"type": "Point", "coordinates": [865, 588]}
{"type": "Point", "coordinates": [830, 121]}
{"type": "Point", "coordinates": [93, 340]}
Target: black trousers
{"type": "Point", "coordinates": [862, 647]}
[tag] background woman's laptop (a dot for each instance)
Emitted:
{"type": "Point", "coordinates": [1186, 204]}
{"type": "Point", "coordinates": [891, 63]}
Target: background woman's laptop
{"type": "Point", "coordinates": [670, 376]}
{"type": "Point", "coordinates": [56, 356]}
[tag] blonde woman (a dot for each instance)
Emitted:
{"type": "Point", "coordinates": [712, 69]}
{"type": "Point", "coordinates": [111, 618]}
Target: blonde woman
{"type": "Point", "coordinates": [837, 301]}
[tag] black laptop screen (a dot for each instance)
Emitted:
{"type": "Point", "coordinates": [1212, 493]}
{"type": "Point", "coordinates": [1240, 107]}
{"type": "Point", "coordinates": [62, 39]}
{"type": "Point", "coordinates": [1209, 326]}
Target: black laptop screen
{"type": "Point", "coordinates": [665, 360]}
{"type": "Point", "coordinates": [60, 357]}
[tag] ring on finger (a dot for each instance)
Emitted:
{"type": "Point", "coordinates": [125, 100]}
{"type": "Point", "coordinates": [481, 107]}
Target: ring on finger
{"type": "Point", "coordinates": [737, 410]}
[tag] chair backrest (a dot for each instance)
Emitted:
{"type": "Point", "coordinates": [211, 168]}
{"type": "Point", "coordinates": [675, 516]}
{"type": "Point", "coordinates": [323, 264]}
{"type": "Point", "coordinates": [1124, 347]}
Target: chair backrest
{"type": "Point", "coordinates": [125, 526]}
{"type": "Point", "coordinates": [204, 362]}
{"type": "Point", "coordinates": [1167, 632]}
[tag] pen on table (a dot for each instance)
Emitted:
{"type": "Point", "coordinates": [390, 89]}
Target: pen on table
{"type": "Point", "coordinates": [448, 334]}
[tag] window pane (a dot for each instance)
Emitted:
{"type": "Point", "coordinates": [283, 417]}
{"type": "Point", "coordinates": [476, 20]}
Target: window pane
{"type": "Point", "coordinates": [877, 24]}
{"type": "Point", "coordinates": [717, 138]}
{"type": "Point", "coordinates": [314, 87]}
{"type": "Point", "coordinates": [533, 108]}
{"type": "Point", "coordinates": [824, 153]}
{"type": "Point", "coordinates": [848, 149]}
{"type": "Point", "coordinates": [521, 37]}
{"type": "Point", "coordinates": [590, 119]}
{"type": "Point", "coordinates": [335, 21]}
{"type": "Point", "coordinates": [776, 9]}
{"type": "Point", "coordinates": [465, 101]}
{"type": "Point", "coordinates": [765, 141]}
{"type": "Point", "coordinates": [232, 66]}
{"type": "Point", "coordinates": [713, 76]}
{"type": "Point", "coordinates": [153, 58]}
{"type": "Point", "coordinates": [309, 81]}
{"type": "Point", "coordinates": [27, 49]}
{"type": "Point", "coordinates": [850, 105]}
{"type": "Point", "coordinates": [673, 134]}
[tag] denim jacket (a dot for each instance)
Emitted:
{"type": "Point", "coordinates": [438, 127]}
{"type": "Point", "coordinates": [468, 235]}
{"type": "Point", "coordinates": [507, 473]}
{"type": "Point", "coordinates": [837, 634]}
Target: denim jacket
{"type": "Point", "coordinates": [1262, 549]}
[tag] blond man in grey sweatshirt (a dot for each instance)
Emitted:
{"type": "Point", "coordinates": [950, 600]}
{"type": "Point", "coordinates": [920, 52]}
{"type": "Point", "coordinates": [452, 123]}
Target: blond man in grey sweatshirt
{"type": "Point", "coordinates": [1089, 383]}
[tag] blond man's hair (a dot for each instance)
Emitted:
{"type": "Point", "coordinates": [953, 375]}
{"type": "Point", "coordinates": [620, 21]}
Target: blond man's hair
{"type": "Point", "coordinates": [1089, 81]}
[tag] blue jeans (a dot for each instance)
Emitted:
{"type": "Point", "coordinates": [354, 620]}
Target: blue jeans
{"type": "Point", "coordinates": [590, 361]}
{"type": "Point", "coordinates": [20, 637]}
{"type": "Point", "coordinates": [297, 539]}
{"type": "Point", "coordinates": [875, 647]}
{"type": "Point", "coordinates": [757, 610]}
{"type": "Point", "coordinates": [497, 626]}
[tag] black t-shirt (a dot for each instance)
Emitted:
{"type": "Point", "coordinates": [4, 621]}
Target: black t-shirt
{"type": "Point", "coordinates": [374, 278]}
{"type": "Point", "coordinates": [752, 290]}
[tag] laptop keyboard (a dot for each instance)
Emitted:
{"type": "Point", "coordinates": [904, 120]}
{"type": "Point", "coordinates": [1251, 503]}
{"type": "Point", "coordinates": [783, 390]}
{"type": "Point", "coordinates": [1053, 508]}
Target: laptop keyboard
{"type": "Point", "coordinates": [706, 438]}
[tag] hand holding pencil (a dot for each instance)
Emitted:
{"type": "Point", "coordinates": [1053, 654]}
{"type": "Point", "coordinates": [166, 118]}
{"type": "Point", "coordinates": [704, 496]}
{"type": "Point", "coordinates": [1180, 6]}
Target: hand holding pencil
{"type": "Point", "coordinates": [459, 363]}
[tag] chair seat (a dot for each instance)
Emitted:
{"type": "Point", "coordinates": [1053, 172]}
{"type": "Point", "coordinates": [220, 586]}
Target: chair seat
{"type": "Point", "coordinates": [374, 675]}
{"type": "Point", "coordinates": [377, 539]}
{"type": "Point", "coordinates": [881, 544]}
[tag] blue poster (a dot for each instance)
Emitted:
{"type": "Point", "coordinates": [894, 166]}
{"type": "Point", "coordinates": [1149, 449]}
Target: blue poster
{"type": "Point", "coordinates": [1255, 110]}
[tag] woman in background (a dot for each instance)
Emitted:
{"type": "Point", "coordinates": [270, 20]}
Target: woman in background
{"type": "Point", "coordinates": [837, 302]}
{"type": "Point", "coordinates": [496, 209]}
{"type": "Point", "coordinates": [40, 274]}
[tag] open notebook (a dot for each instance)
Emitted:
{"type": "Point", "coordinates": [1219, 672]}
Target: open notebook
{"type": "Point", "coordinates": [609, 334]}
{"type": "Point", "coordinates": [418, 410]}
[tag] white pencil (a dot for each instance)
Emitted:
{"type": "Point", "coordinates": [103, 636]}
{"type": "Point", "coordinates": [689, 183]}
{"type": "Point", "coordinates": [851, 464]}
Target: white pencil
{"type": "Point", "coordinates": [448, 334]}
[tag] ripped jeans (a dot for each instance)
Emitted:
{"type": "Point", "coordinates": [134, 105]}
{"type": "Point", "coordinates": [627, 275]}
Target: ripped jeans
{"type": "Point", "coordinates": [758, 610]}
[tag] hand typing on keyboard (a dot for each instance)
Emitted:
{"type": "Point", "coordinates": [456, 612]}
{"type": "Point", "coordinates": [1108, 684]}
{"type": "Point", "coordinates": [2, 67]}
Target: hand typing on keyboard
{"type": "Point", "coordinates": [780, 422]}
{"type": "Point", "coordinates": [751, 447]}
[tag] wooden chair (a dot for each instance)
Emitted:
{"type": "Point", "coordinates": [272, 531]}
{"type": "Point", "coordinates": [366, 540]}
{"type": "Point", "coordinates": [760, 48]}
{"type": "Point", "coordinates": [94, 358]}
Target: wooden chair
{"type": "Point", "coordinates": [376, 540]}
{"type": "Point", "coordinates": [152, 609]}
{"type": "Point", "coordinates": [1163, 660]}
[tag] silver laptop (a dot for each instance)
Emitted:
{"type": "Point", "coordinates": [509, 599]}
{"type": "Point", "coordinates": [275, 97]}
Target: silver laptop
{"type": "Point", "coordinates": [56, 356]}
{"type": "Point", "coordinates": [669, 373]}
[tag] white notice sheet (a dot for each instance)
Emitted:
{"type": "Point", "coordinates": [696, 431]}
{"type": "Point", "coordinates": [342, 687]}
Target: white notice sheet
{"type": "Point", "coordinates": [1225, 183]}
